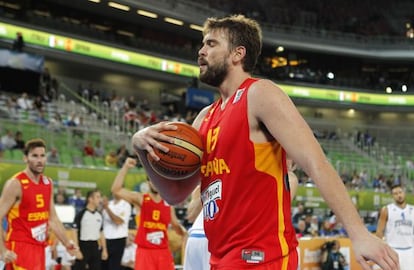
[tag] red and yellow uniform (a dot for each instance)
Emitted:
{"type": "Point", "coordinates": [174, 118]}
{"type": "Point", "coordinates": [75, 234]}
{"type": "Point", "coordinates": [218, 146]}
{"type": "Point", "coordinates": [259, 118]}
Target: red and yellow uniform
{"type": "Point", "coordinates": [152, 238]}
{"type": "Point", "coordinates": [245, 193]}
{"type": "Point", "coordinates": [28, 223]}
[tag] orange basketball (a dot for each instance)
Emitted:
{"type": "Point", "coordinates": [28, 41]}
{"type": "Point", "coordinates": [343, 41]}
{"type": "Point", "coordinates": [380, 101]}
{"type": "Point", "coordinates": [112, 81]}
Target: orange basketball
{"type": "Point", "coordinates": [184, 158]}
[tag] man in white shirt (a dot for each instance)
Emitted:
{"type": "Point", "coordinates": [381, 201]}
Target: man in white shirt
{"type": "Point", "coordinates": [116, 216]}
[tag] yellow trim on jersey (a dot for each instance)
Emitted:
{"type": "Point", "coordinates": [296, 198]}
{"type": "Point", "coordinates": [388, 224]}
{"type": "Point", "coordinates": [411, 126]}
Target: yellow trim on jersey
{"type": "Point", "coordinates": [13, 214]}
{"type": "Point", "coordinates": [268, 157]}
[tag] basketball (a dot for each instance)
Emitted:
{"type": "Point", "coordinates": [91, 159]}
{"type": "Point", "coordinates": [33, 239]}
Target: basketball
{"type": "Point", "coordinates": [184, 158]}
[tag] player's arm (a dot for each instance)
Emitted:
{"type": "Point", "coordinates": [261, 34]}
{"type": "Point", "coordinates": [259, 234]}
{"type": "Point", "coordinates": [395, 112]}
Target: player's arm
{"type": "Point", "coordinates": [118, 184]}
{"type": "Point", "coordinates": [195, 206]}
{"type": "Point", "coordinates": [176, 225]}
{"type": "Point", "coordinates": [382, 220]}
{"type": "Point", "coordinates": [10, 195]}
{"type": "Point", "coordinates": [269, 105]}
{"type": "Point", "coordinates": [58, 229]}
{"type": "Point", "coordinates": [144, 142]}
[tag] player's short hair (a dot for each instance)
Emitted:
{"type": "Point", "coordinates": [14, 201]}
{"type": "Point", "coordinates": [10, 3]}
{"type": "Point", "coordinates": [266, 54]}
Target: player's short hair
{"type": "Point", "coordinates": [242, 31]}
{"type": "Point", "coordinates": [395, 186]}
{"type": "Point", "coordinates": [33, 143]}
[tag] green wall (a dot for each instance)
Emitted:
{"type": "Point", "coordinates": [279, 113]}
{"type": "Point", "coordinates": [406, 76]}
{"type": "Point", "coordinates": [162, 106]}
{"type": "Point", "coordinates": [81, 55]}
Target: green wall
{"type": "Point", "coordinates": [88, 178]}
{"type": "Point", "coordinates": [364, 200]}
{"type": "Point", "coordinates": [84, 178]}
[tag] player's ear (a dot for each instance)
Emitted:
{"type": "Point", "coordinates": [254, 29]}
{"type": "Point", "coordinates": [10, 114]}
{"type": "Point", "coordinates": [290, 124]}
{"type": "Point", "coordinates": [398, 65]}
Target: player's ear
{"type": "Point", "coordinates": [239, 53]}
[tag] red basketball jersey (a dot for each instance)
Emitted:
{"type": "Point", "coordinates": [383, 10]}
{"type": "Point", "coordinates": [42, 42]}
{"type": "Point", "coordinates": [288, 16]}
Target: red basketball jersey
{"type": "Point", "coordinates": [154, 220]}
{"type": "Point", "coordinates": [28, 219]}
{"type": "Point", "coordinates": [245, 193]}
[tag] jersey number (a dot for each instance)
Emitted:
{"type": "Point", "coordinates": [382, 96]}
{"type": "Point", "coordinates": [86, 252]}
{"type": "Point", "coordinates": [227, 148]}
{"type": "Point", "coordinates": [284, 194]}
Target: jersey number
{"type": "Point", "coordinates": [212, 135]}
{"type": "Point", "coordinates": [156, 215]}
{"type": "Point", "coordinates": [40, 202]}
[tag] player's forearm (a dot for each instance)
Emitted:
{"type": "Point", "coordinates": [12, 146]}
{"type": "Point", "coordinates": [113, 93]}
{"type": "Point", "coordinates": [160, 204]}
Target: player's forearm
{"type": "Point", "coordinates": [119, 179]}
{"type": "Point", "coordinates": [335, 194]}
{"type": "Point", "coordinates": [60, 232]}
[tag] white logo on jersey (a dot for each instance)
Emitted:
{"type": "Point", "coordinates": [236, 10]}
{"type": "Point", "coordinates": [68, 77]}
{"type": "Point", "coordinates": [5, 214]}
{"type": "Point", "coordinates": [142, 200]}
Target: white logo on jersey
{"type": "Point", "coordinates": [238, 95]}
{"type": "Point", "coordinates": [210, 197]}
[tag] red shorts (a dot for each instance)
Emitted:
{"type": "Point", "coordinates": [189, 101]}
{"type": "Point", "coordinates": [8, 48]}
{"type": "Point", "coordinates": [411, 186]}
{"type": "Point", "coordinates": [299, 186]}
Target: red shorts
{"type": "Point", "coordinates": [153, 259]}
{"type": "Point", "coordinates": [29, 256]}
{"type": "Point", "coordinates": [290, 262]}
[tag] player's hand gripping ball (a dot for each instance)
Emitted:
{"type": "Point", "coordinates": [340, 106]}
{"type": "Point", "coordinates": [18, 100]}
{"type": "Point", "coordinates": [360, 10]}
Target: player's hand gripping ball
{"type": "Point", "coordinates": [184, 157]}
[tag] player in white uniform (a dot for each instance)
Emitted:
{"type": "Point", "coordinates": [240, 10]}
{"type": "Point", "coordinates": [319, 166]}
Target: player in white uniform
{"type": "Point", "coordinates": [197, 256]}
{"type": "Point", "coordinates": [396, 226]}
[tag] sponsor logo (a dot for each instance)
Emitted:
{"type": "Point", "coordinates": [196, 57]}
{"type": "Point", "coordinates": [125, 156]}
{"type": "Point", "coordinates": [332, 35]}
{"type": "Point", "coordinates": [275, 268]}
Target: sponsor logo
{"type": "Point", "coordinates": [210, 197]}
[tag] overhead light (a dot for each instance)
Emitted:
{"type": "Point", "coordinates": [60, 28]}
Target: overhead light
{"type": "Point", "coordinates": [118, 6]}
{"type": "Point", "coordinates": [330, 75]}
{"type": "Point", "coordinates": [388, 90]}
{"type": "Point", "coordinates": [41, 13]}
{"type": "Point", "coordinates": [147, 13]}
{"type": "Point", "coordinates": [404, 88]}
{"type": "Point", "coordinates": [280, 49]}
{"type": "Point", "coordinates": [173, 21]}
{"type": "Point", "coordinates": [95, 1]}
{"type": "Point", "coordinates": [100, 27]}
{"type": "Point", "coordinates": [125, 33]}
{"type": "Point", "coordinates": [12, 6]}
{"type": "Point", "coordinates": [196, 27]}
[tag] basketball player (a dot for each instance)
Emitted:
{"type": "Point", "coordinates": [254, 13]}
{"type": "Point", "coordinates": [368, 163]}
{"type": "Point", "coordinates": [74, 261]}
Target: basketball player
{"type": "Point", "coordinates": [27, 199]}
{"type": "Point", "coordinates": [396, 225]}
{"type": "Point", "coordinates": [246, 135]}
{"type": "Point", "coordinates": [156, 215]}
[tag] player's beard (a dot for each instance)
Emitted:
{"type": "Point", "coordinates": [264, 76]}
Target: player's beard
{"type": "Point", "coordinates": [35, 170]}
{"type": "Point", "coordinates": [214, 75]}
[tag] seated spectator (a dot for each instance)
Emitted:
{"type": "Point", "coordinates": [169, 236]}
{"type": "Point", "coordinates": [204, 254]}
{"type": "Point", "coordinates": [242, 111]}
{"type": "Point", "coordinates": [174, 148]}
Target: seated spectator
{"type": "Point", "coordinates": [88, 149]}
{"type": "Point", "coordinates": [99, 150]}
{"type": "Point", "coordinates": [314, 225]}
{"type": "Point", "coordinates": [19, 141]}
{"type": "Point", "coordinates": [7, 140]}
{"type": "Point", "coordinates": [55, 123]}
{"type": "Point", "coordinates": [18, 43]}
{"type": "Point", "coordinates": [38, 103]}
{"type": "Point", "coordinates": [111, 159]}
{"type": "Point", "coordinates": [62, 191]}
{"type": "Point", "coordinates": [301, 229]}
{"type": "Point", "coordinates": [41, 119]}
{"type": "Point", "coordinates": [53, 156]}
{"type": "Point", "coordinates": [72, 120]}
{"type": "Point", "coordinates": [327, 228]}
{"type": "Point", "coordinates": [77, 200]}
{"type": "Point", "coordinates": [24, 102]}
{"type": "Point", "coordinates": [299, 213]}
{"type": "Point", "coordinates": [60, 199]}
{"type": "Point", "coordinates": [80, 127]}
